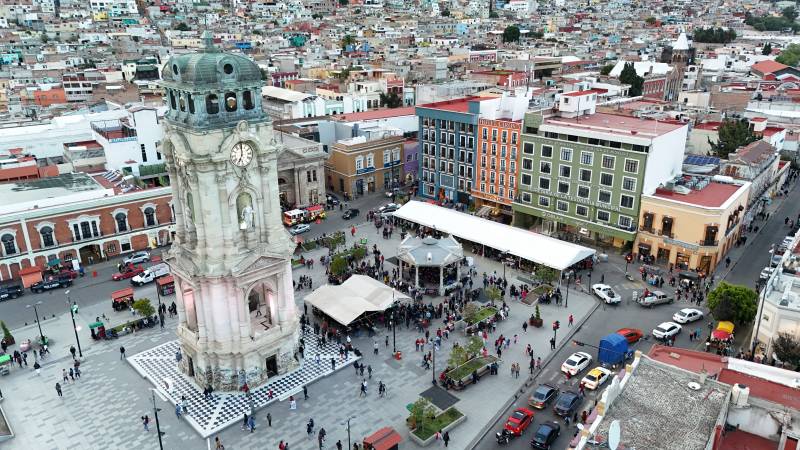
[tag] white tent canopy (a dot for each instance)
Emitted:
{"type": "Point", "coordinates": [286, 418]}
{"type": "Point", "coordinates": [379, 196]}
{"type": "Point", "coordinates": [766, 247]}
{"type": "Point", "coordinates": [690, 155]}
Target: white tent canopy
{"type": "Point", "coordinates": [358, 295]}
{"type": "Point", "coordinates": [515, 241]}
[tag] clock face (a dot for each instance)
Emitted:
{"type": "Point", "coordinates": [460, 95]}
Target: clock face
{"type": "Point", "coordinates": [242, 154]}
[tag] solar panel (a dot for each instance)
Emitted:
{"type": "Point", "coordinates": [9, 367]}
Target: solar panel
{"type": "Point", "coordinates": [700, 160]}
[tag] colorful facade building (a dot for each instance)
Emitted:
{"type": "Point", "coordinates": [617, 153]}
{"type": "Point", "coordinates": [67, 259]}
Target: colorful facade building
{"type": "Point", "coordinates": [496, 170]}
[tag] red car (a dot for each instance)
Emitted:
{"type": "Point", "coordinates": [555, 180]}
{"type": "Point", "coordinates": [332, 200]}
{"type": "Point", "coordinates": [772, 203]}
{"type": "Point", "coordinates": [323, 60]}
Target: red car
{"type": "Point", "coordinates": [128, 272]}
{"type": "Point", "coordinates": [631, 334]}
{"type": "Point", "coordinates": [68, 273]}
{"type": "Point", "coordinates": [519, 420]}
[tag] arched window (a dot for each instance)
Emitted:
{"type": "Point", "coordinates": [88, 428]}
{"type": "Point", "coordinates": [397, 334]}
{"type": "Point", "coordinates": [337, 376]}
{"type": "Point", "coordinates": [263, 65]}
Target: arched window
{"type": "Point", "coordinates": [247, 98]}
{"type": "Point", "coordinates": [171, 99]}
{"type": "Point", "coordinates": [122, 222]}
{"type": "Point", "coordinates": [191, 103]}
{"type": "Point", "coordinates": [9, 246]}
{"type": "Point", "coordinates": [47, 236]}
{"type": "Point", "coordinates": [149, 216]}
{"type": "Point", "coordinates": [212, 104]}
{"type": "Point", "coordinates": [230, 101]}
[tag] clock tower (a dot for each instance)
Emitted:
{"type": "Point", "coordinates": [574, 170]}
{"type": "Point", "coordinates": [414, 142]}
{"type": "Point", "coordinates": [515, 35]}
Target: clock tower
{"type": "Point", "coordinates": [231, 254]}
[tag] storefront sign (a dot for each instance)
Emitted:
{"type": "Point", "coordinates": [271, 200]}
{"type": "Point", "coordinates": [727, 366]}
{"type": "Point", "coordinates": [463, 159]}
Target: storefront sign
{"type": "Point", "coordinates": [686, 245]}
{"type": "Point", "coordinates": [365, 170]}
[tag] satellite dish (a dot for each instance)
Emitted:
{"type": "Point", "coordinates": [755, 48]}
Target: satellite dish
{"type": "Point", "coordinates": [613, 435]}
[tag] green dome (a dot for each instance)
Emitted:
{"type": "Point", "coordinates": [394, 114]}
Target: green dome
{"type": "Point", "coordinates": [210, 67]}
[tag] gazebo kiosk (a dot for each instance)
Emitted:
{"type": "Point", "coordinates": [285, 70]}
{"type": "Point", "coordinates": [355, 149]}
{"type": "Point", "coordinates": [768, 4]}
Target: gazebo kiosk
{"type": "Point", "coordinates": [431, 255]}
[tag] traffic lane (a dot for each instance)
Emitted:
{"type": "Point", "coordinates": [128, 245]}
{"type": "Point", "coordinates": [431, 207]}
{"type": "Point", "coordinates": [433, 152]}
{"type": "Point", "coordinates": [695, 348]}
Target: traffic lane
{"type": "Point", "coordinates": [603, 322]}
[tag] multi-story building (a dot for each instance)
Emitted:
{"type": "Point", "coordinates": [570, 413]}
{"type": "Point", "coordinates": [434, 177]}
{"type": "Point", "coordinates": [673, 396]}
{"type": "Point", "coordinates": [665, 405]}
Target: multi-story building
{"type": "Point", "coordinates": [448, 136]}
{"type": "Point", "coordinates": [691, 222]}
{"type": "Point", "coordinates": [361, 165]}
{"type": "Point", "coordinates": [581, 173]}
{"type": "Point", "coordinates": [496, 168]}
{"type": "Point", "coordinates": [757, 163]}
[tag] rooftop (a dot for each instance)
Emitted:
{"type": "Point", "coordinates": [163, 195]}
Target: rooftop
{"type": "Point", "coordinates": [755, 152]}
{"type": "Point", "coordinates": [586, 92]}
{"type": "Point", "coordinates": [377, 114]}
{"type": "Point", "coordinates": [763, 388]}
{"type": "Point", "coordinates": [768, 66]}
{"type": "Point", "coordinates": [690, 360]}
{"type": "Point", "coordinates": [742, 440]}
{"type": "Point", "coordinates": [620, 125]}
{"type": "Point", "coordinates": [49, 191]}
{"type": "Point", "coordinates": [713, 195]}
{"type": "Point", "coordinates": [458, 105]}
{"type": "Point", "coordinates": [429, 251]}
{"type": "Point", "coordinates": [658, 411]}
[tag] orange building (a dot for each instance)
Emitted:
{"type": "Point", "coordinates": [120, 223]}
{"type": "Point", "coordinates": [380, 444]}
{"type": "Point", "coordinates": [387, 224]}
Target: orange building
{"type": "Point", "coordinates": [498, 155]}
{"type": "Point", "coordinates": [54, 96]}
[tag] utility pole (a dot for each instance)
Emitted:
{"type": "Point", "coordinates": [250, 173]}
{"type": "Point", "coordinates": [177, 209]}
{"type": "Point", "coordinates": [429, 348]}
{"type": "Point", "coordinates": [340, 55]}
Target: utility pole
{"type": "Point", "coordinates": [158, 425]}
{"type": "Point", "coordinates": [74, 327]}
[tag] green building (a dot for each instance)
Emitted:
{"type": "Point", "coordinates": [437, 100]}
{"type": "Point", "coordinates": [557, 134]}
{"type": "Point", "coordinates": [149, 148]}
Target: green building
{"type": "Point", "coordinates": [581, 173]}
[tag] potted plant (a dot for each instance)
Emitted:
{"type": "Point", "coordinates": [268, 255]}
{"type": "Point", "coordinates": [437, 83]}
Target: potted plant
{"type": "Point", "coordinates": [7, 337]}
{"type": "Point", "coordinates": [536, 318]}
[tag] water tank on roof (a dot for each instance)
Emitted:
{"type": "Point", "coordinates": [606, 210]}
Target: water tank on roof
{"type": "Point", "coordinates": [722, 179]}
{"type": "Point", "coordinates": [739, 395]}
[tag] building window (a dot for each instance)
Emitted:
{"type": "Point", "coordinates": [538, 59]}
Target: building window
{"type": "Point", "coordinates": [544, 167]}
{"type": "Point", "coordinates": [544, 183]}
{"type": "Point", "coordinates": [631, 165]}
{"type": "Point", "coordinates": [566, 154]}
{"type": "Point", "coordinates": [144, 152]}
{"type": "Point", "coordinates": [583, 191]}
{"type": "Point", "coordinates": [9, 246]}
{"type": "Point", "coordinates": [247, 97]}
{"type": "Point", "coordinates": [386, 155]}
{"type": "Point", "coordinates": [527, 148]}
{"type": "Point", "coordinates": [47, 237]}
{"type": "Point", "coordinates": [86, 230]}
{"type": "Point", "coordinates": [608, 162]}
{"type": "Point", "coordinates": [565, 171]}
{"type": "Point", "coordinates": [563, 187]}
{"type": "Point", "coordinates": [527, 164]}
{"type": "Point", "coordinates": [587, 158]}
{"type": "Point", "coordinates": [230, 101]}
{"type": "Point", "coordinates": [562, 206]}
{"type": "Point", "coordinates": [626, 201]}
{"type": "Point", "coordinates": [370, 160]}
{"type": "Point", "coordinates": [547, 151]}
{"type": "Point", "coordinates": [526, 179]}
{"type": "Point", "coordinates": [526, 197]}
{"type": "Point", "coordinates": [606, 179]}
{"type": "Point", "coordinates": [149, 216]}
{"type": "Point", "coordinates": [586, 175]}
{"type": "Point", "coordinates": [604, 197]}
{"type": "Point", "coordinates": [624, 222]}
{"type": "Point", "coordinates": [544, 201]}
{"type": "Point", "coordinates": [603, 216]}
{"type": "Point", "coordinates": [212, 104]}
{"type": "Point", "coordinates": [581, 210]}
{"type": "Point", "coordinates": [190, 100]}
{"type": "Point", "coordinates": [122, 222]}
{"type": "Point", "coordinates": [629, 184]}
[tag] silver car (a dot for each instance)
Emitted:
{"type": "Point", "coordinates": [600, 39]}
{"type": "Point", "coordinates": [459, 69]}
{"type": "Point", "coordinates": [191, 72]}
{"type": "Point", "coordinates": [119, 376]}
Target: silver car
{"type": "Point", "coordinates": [655, 298]}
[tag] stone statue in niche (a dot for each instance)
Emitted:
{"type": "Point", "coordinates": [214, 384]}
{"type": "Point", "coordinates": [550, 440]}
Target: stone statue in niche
{"type": "Point", "coordinates": [244, 207]}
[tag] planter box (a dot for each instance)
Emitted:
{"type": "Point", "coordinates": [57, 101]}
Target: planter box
{"type": "Point", "coordinates": [432, 439]}
{"type": "Point", "coordinates": [536, 322]}
{"type": "Point", "coordinates": [481, 369]}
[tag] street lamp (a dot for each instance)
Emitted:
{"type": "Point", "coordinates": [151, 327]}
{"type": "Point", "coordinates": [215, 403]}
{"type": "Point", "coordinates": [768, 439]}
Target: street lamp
{"type": "Point", "coordinates": [74, 327]}
{"type": "Point", "coordinates": [36, 312]}
{"type": "Point", "coordinates": [433, 353]}
{"type": "Point", "coordinates": [566, 298]}
{"type": "Point", "coordinates": [349, 445]}
{"type": "Point", "coordinates": [158, 424]}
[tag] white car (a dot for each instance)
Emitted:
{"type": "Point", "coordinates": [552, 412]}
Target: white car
{"type": "Point", "coordinates": [137, 258]}
{"type": "Point", "coordinates": [596, 377]}
{"type": "Point", "coordinates": [389, 207]}
{"type": "Point", "coordinates": [606, 294]}
{"type": "Point", "coordinates": [300, 228]}
{"type": "Point", "coordinates": [687, 315]}
{"type": "Point", "coordinates": [666, 330]}
{"type": "Point", "coordinates": [575, 363]}
{"type": "Point", "coordinates": [766, 273]}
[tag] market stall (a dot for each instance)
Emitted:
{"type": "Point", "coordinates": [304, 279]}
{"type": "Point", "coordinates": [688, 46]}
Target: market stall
{"type": "Point", "coordinates": [122, 299]}
{"type": "Point", "coordinates": [355, 297]}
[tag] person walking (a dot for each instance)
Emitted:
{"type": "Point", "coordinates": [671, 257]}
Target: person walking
{"type": "Point", "coordinates": [532, 365]}
{"type": "Point", "coordinates": [244, 422]}
{"type": "Point", "coordinates": [570, 319]}
{"type": "Point", "coordinates": [121, 353]}
{"type": "Point", "coordinates": [37, 368]}
{"type": "Point", "coordinates": [251, 423]}
{"type": "Point", "coordinates": [146, 422]}
{"type": "Point", "coordinates": [369, 371]}
{"type": "Point", "coordinates": [269, 419]}
{"type": "Point", "coordinates": [72, 351]}
{"type": "Point", "coordinates": [552, 343]}
{"type": "Point", "coordinates": [305, 392]}
{"type": "Point", "coordinates": [58, 390]}
{"type": "Point", "coordinates": [64, 376]}
{"type": "Point", "coordinates": [219, 445]}
{"type": "Point", "coordinates": [446, 438]}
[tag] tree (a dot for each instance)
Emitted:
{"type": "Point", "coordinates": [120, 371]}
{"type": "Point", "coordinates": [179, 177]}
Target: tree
{"type": "Point", "coordinates": [7, 336]}
{"type": "Point", "coordinates": [458, 356]}
{"type": "Point", "coordinates": [546, 274]}
{"type": "Point", "coordinates": [182, 27]}
{"type": "Point", "coordinates": [629, 76]}
{"type": "Point", "coordinates": [732, 134]}
{"type": "Point", "coordinates": [471, 310]}
{"type": "Point", "coordinates": [338, 266]}
{"type": "Point", "coordinates": [392, 100]}
{"type": "Point", "coordinates": [511, 34]}
{"type": "Point", "coordinates": [790, 55]}
{"type": "Point", "coordinates": [421, 410]}
{"type": "Point", "coordinates": [789, 13]}
{"type": "Point", "coordinates": [494, 294]}
{"type": "Point", "coordinates": [348, 40]}
{"type": "Point", "coordinates": [787, 349]}
{"type": "Point", "coordinates": [493, 15]}
{"type": "Point", "coordinates": [733, 302]}
{"type": "Point", "coordinates": [714, 35]}
{"type": "Point", "coordinates": [605, 70]}
{"type": "Point", "coordinates": [650, 20]}
{"type": "Point", "coordinates": [445, 13]}
{"type": "Point", "coordinates": [767, 49]}
{"type": "Point", "coordinates": [473, 347]}
{"type": "Point", "coordinates": [44, 38]}
{"type": "Point", "coordinates": [143, 307]}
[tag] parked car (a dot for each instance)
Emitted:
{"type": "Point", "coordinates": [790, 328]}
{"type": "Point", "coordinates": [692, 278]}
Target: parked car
{"type": "Point", "coordinates": [518, 421]}
{"type": "Point", "coordinates": [576, 362]}
{"type": "Point", "coordinates": [332, 199]}
{"type": "Point", "coordinates": [687, 315]}
{"type": "Point", "coordinates": [543, 395]}
{"type": "Point", "coordinates": [68, 273]}
{"type": "Point", "coordinates": [775, 261]}
{"type": "Point", "coordinates": [127, 272]}
{"type": "Point", "coordinates": [666, 330]}
{"type": "Point", "coordinates": [655, 298]}
{"type": "Point", "coordinates": [48, 285]}
{"type": "Point", "coordinates": [566, 403]}
{"type": "Point", "coordinates": [137, 258]}
{"type": "Point", "coordinates": [350, 213]}
{"type": "Point", "coordinates": [388, 209]}
{"type": "Point", "coordinates": [766, 273]}
{"type": "Point", "coordinates": [151, 274]}
{"type": "Point", "coordinates": [606, 294]}
{"type": "Point", "coordinates": [11, 291]}
{"type": "Point", "coordinates": [631, 334]}
{"type": "Point", "coordinates": [596, 377]}
{"type": "Point", "coordinates": [299, 228]}
{"type": "Point", "coordinates": [546, 435]}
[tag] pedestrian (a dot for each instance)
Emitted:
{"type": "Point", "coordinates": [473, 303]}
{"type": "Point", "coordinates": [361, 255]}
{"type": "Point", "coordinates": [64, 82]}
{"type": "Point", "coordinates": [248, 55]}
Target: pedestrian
{"type": "Point", "coordinates": [146, 422]}
{"type": "Point", "coordinates": [387, 341]}
{"type": "Point", "coordinates": [251, 423]}
{"type": "Point", "coordinates": [446, 438]}
{"type": "Point", "coordinates": [524, 327]}
{"type": "Point", "coordinates": [58, 390]}
{"type": "Point", "coordinates": [532, 365]}
{"type": "Point", "coordinates": [552, 343]}
{"type": "Point", "coordinates": [369, 371]}
{"type": "Point", "coordinates": [570, 319]}
{"type": "Point", "coordinates": [375, 346]}
{"type": "Point", "coordinates": [178, 411]}
{"type": "Point", "coordinates": [72, 350]}
{"type": "Point", "coordinates": [269, 419]}
{"type": "Point", "coordinates": [121, 353]}
{"type": "Point", "coordinates": [72, 374]}
{"type": "Point", "coordinates": [184, 405]}
{"type": "Point", "coordinates": [339, 445]}
{"type": "Point", "coordinates": [37, 368]}
{"type": "Point", "coordinates": [333, 364]}
{"type": "Point", "coordinates": [538, 363]}
{"type": "Point", "coordinates": [64, 376]}
{"type": "Point", "coordinates": [219, 444]}
{"type": "Point", "coordinates": [244, 422]}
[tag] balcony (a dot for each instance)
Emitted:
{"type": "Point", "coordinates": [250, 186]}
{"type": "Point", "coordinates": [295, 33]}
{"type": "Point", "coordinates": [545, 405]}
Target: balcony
{"type": "Point", "coordinates": [668, 234]}
{"type": "Point", "coordinates": [649, 230]}
{"type": "Point", "coordinates": [708, 243]}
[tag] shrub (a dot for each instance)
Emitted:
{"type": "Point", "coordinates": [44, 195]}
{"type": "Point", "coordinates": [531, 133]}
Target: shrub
{"type": "Point", "coordinates": [143, 307]}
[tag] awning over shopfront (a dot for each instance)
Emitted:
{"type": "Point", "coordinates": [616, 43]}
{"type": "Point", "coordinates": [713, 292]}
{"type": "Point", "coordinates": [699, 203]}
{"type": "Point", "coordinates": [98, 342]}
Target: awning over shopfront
{"type": "Point", "coordinates": [358, 295]}
{"type": "Point", "coordinates": [525, 244]}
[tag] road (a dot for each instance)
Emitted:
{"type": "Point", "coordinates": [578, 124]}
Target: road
{"type": "Point", "coordinates": [606, 320]}
{"type": "Point", "coordinates": [92, 290]}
